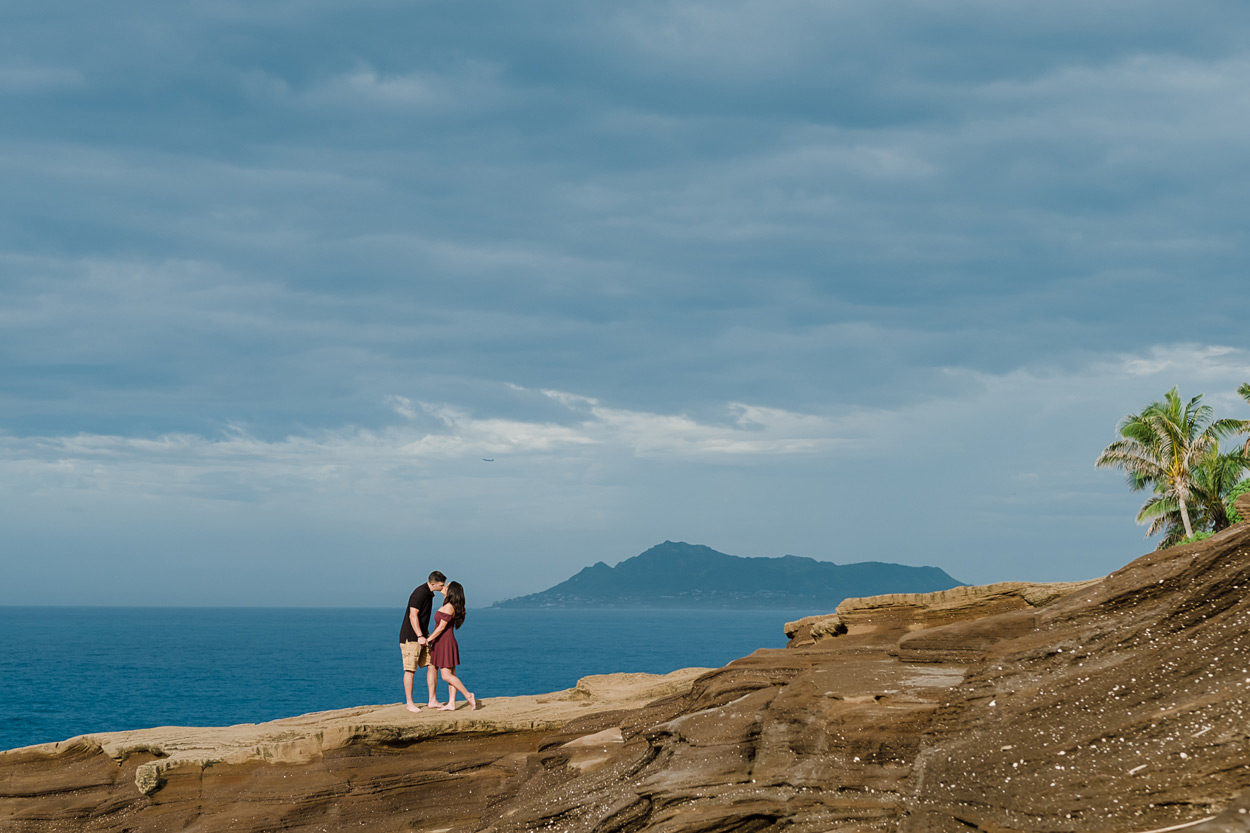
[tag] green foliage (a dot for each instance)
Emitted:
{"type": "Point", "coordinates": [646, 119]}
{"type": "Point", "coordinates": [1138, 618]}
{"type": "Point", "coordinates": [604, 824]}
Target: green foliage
{"type": "Point", "coordinates": [1197, 536]}
{"type": "Point", "coordinates": [1161, 447]}
{"type": "Point", "coordinates": [1237, 491]}
{"type": "Point", "coordinates": [1171, 448]}
{"type": "Point", "coordinates": [1217, 475]}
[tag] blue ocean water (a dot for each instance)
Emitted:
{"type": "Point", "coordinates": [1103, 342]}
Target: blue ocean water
{"type": "Point", "coordinates": [70, 671]}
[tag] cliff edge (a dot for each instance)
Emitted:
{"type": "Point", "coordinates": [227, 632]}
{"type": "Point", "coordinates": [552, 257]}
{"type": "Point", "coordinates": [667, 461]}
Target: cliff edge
{"type": "Point", "coordinates": [1117, 705]}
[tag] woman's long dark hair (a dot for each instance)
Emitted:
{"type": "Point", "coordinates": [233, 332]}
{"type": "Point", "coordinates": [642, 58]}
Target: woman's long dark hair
{"type": "Point", "coordinates": [454, 596]}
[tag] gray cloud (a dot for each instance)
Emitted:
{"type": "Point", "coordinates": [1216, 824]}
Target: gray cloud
{"type": "Point", "coordinates": [281, 223]}
{"type": "Point", "coordinates": [988, 474]}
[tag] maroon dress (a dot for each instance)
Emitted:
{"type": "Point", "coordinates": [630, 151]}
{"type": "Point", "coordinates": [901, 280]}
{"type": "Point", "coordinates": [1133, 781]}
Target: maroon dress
{"type": "Point", "coordinates": [446, 651]}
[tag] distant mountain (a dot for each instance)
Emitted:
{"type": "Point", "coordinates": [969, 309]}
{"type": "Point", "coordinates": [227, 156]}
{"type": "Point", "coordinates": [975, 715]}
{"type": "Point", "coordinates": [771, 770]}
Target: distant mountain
{"type": "Point", "coordinates": [679, 575]}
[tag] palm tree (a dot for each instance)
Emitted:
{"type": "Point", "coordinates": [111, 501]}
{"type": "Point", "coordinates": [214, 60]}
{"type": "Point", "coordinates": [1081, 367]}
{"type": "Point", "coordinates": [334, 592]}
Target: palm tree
{"type": "Point", "coordinates": [1162, 446]}
{"type": "Point", "coordinates": [1214, 478]}
{"type": "Point", "coordinates": [1163, 515]}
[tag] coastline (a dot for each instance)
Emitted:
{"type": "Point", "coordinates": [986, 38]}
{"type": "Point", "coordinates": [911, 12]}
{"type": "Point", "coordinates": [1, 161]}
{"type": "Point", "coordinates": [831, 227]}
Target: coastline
{"type": "Point", "coordinates": [214, 667]}
{"type": "Point", "coordinates": [1103, 706]}
{"type": "Point", "coordinates": [305, 738]}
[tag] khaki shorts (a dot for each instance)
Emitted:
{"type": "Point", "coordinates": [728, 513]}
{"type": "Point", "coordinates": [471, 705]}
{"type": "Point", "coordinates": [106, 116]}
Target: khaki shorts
{"type": "Point", "coordinates": [415, 654]}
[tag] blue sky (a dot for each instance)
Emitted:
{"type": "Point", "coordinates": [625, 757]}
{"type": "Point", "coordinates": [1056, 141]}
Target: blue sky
{"type": "Point", "coordinates": [850, 280]}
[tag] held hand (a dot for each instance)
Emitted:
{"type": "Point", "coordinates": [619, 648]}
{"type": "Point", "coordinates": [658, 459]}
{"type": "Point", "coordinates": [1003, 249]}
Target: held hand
{"type": "Point", "coordinates": [421, 640]}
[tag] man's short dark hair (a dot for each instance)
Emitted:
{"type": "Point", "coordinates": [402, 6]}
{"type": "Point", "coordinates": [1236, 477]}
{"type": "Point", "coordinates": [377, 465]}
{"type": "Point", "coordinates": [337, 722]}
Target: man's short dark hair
{"type": "Point", "coordinates": [437, 578]}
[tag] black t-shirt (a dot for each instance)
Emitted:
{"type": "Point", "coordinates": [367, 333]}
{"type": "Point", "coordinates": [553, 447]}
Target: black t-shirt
{"type": "Point", "coordinates": [423, 600]}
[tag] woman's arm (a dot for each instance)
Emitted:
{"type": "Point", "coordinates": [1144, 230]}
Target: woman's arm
{"type": "Point", "coordinates": [442, 626]}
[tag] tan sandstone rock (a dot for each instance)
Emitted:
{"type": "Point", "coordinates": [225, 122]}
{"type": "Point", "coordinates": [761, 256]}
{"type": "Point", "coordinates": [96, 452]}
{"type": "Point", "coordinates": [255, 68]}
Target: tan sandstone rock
{"type": "Point", "coordinates": [337, 757]}
{"type": "Point", "coordinates": [901, 612]}
{"type": "Point", "coordinates": [1120, 705]}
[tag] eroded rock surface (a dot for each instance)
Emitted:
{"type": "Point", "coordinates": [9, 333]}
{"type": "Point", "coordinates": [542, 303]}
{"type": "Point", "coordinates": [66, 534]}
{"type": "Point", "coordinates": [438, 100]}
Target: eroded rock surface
{"type": "Point", "coordinates": [376, 768]}
{"type": "Point", "coordinates": [907, 612]}
{"type": "Point", "coordinates": [1117, 705]}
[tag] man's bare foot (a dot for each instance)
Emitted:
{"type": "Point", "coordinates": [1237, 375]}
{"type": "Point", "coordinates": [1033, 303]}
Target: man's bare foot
{"type": "Point", "coordinates": [472, 702]}
{"type": "Point", "coordinates": [412, 707]}
{"type": "Point", "coordinates": [433, 704]}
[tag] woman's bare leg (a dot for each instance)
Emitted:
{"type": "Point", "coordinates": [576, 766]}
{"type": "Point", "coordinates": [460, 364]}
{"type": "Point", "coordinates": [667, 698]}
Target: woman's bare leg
{"type": "Point", "coordinates": [454, 685]}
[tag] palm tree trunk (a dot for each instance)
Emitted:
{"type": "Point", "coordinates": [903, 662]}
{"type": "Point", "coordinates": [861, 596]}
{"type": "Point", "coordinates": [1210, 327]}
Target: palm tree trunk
{"type": "Point", "coordinates": [1189, 530]}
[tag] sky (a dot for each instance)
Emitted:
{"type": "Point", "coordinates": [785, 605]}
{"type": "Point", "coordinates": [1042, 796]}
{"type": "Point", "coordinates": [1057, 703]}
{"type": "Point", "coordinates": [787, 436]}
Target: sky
{"type": "Point", "coordinates": [302, 300]}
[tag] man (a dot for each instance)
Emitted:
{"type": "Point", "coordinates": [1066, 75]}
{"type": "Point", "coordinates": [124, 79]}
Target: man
{"type": "Point", "coordinates": [413, 638]}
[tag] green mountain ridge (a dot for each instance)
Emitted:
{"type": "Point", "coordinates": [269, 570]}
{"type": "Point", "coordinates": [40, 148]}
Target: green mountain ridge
{"type": "Point", "coordinates": [675, 574]}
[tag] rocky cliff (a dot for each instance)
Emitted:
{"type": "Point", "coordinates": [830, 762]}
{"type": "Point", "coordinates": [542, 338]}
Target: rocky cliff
{"type": "Point", "coordinates": [1114, 705]}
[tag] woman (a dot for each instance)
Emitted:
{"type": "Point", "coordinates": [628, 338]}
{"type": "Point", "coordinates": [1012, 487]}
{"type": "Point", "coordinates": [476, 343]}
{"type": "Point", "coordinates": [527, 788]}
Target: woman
{"type": "Point", "coordinates": [445, 655]}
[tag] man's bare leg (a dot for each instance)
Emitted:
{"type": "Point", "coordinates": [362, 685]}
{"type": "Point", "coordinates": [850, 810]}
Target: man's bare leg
{"type": "Point", "coordinates": [431, 680]}
{"type": "Point", "coordinates": [409, 705]}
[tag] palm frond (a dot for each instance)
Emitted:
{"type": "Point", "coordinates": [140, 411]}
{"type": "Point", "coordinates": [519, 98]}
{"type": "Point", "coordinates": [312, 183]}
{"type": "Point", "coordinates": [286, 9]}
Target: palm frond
{"type": "Point", "coordinates": [1173, 447]}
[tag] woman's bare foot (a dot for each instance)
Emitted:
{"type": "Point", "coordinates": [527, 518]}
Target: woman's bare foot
{"type": "Point", "coordinates": [450, 707]}
{"type": "Point", "coordinates": [472, 702]}
{"type": "Point", "coordinates": [412, 707]}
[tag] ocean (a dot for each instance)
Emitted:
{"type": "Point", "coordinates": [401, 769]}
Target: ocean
{"type": "Point", "coordinates": [67, 671]}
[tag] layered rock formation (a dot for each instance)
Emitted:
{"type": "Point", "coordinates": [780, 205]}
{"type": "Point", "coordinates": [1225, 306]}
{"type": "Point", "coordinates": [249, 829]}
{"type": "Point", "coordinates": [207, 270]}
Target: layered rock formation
{"type": "Point", "coordinates": [929, 612]}
{"type": "Point", "coordinates": [1117, 705]}
{"type": "Point", "coordinates": [377, 768]}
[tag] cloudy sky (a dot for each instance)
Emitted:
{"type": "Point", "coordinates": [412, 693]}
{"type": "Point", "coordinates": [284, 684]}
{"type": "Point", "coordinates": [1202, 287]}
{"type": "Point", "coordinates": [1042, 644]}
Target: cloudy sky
{"type": "Point", "coordinates": [850, 279]}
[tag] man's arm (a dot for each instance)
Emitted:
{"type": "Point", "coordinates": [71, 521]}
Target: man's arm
{"type": "Point", "coordinates": [416, 624]}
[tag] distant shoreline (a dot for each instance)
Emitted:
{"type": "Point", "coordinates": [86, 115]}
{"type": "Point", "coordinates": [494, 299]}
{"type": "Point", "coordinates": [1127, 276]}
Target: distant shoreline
{"type": "Point", "coordinates": [493, 606]}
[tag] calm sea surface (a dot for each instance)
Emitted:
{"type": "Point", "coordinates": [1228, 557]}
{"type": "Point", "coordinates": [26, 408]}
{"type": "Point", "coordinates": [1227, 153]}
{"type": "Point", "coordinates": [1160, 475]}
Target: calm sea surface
{"type": "Point", "coordinates": [71, 671]}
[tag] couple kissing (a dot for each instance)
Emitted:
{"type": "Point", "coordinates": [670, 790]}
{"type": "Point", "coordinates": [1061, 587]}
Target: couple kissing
{"type": "Point", "coordinates": [437, 649]}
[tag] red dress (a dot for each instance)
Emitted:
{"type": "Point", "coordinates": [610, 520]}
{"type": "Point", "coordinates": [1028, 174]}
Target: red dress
{"type": "Point", "coordinates": [446, 651]}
